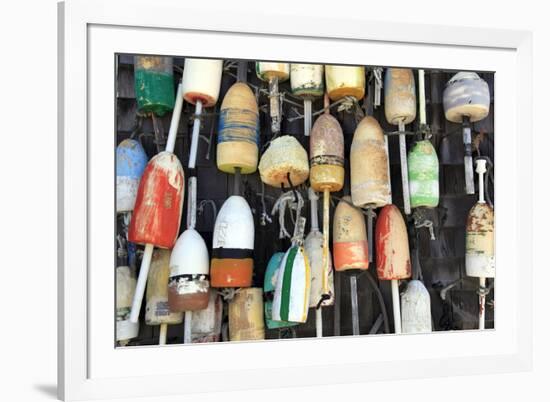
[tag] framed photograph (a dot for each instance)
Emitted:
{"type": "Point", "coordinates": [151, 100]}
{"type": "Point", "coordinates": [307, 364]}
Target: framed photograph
{"type": "Point", "coordinates": [246, 204]}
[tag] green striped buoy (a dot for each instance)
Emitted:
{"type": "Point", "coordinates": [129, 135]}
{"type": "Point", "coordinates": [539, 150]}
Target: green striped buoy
{"type": "Point", "coordinates": [423, 175]}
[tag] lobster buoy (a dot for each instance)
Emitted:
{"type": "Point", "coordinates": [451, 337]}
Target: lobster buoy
{"type": "Point", "coordinates": [157, 212]}
{"type": "Point", "coordinates": [125, 288]}
{"type": "Point", "coordinates": [306, 80]}
{"type": "Point", "coordinates": [313, 246]}
{"type": "Point", "coordinates": [238, 131]}
{"type": "Point", "coordinates": [270, 281]}
{"type": "Point", "coordinates": [206, 325]}
{"type": "Point", "coordinates": [466, 95]}
{"type": "Point", "coordinates": [393, 259]}
{"type": "Point", "coordinates": [292, 291]}
{"type": "Point", "coordinates": [246, 315]}
{"type": "Point", "coordinates": [370, 179]}
{"type": "Point", "coordinates": [157, 310]}
{"type": "Point", "coordinates": [201, 81]}
{"type": "Point", "coordinates": [154, 84]}
{"type": "Point", "coordinates": [480, 252]}
{"type": "Point", "coordinates": [189, 281]}
{"type": "Point", "coordinates": [233, 245]}
{"type": "Point", "coordinates": [399, 96]}
{"type": "Point", "coordinates": [285, 155]}
{"type": "Point", "coordinates": [131, 160]}
{"type": "Point", "coordinates": [350, 245]}
{"type": "Point", "coordinates": [423, 175]}
{"type": "Point", "coordinates": [416, 309]}
{"type": "Point", "coordinates": [266, 71]}
{"type": "Point", "coordinates": [345, 81]}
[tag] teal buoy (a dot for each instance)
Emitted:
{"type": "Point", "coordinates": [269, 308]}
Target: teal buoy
{"type": "Point", "coordinates": [154, 84]}
{"type": "Point", "coordinates": [423, 175]}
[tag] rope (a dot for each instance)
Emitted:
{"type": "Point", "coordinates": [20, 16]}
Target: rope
{"type": "Point", "coordinates": [287, 201]}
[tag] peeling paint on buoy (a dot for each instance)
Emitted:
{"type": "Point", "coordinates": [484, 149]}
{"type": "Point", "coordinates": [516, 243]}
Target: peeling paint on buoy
{"type": "Point", "coordinates": [349, 235]}
{"type": "Point", "coordinates": [393, 259]}
{"type": "Point", "coordinates": [246, 315]}
{"type": "Point", "coordinates": [345, 81]}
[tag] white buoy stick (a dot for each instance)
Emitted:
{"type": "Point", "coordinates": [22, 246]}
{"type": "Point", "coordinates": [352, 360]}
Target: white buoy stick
{"type": "Point", "coordinates": [354, 304]}
{"type": "Point", "coordinates": [315, 226]}
{"type": "Point", "coordinates": [468, 167]}
{"type": "Point", "coordinates": [396, 307]}
{"type": "Point", "coordinates": [274, 107]}
{"type": "Point", "coordinates": [319, 322]}
{"type": "Point", "coordinates": [195, 135]}
{"type": "Point", "coordinates": [481, 168]}
{"type": "Point", "coordinates": [421, 97]}
{"type": "Point", "coordinates": [187, 327]}
{"type": "Point", "coordinates": [148, 251]}
{"type": "Point", "coordinates": [307, 117]}
{"type": "Point", "coordinates": [163, 333]}
{"type": "Point", "coordinates": [404, 169]}
{"type": "Point", "coordinates": [482, 303]}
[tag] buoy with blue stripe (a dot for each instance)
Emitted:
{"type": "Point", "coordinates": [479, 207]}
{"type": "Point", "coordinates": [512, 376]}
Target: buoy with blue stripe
{"type": "Point", "coordinates": [154, 84]}
{"type": "Point", "coordinates": [238, 131]}
{"type": "Point", "coordinates": [201, 87]}
{"type": "Point", "coordinates": [273, 73]}
{"type": "Point", "coordinates": [306, 82]}
{"type": "Point", "coordinates": [233, 245]}
{"type": "Point", "coordinates": [466, 99]}
{"type": "Point", "coordinates": [131, 160]}
{"type": "Point", "coordinates": [400, 109]}
{"type": "Point", "coordinates": [270, 281]}
{"type": "Point", "coordinates": [246, 315]}
{"type": "Point", "coordinates": [345, 81]}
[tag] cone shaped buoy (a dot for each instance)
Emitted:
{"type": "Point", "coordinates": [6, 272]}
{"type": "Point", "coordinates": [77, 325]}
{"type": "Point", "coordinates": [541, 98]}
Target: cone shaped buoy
{"type": "Point", "coordinates": [285, 155]}
{"type": "Point", "coordinates": [233, 245]}
{"type": "Point", "coordinates": [154, 84]}
{"type": "Point", "coordinates": [480, 242]}
{"type": "Point", "coordinates": [399, 96]}
{"type": "Point", "coordinates": [201, 80]}
{"type": "Point", "coordinates": [291, 298]}
{"type": "Point", "coordinates": [393, 259]}
{"type": "Point", "coordinates": [131, 160]}
{"type": "Point", "coordinates": [270, 281]}
{"type": "Point", "coordinates": [349, 236]}
{"type": "Point", "coordinates": [206, 325]}
{"type": "Point", "coordinates": [423, 175]}
{"type": "Point", "coordinates": [345, 81]}
{"type": "Point", "coordinates": [157, 212]}
{"type": "Point", "coordinates": [370, 180]}
{"type": "Point", "coordinates": [306, 80]}
{"type": "Point", "coordinates": [157, 310]}
{"type": "Point", "coordinates": [466, 94]}
{"type": "Point", "coordinates": [238, 131]}
{"type": "Point", "coordinates": [246, 315]}
{"type": "Point", "coordinates": [125, 288]}
{"type": "Point", "coordinates": [416, 315]}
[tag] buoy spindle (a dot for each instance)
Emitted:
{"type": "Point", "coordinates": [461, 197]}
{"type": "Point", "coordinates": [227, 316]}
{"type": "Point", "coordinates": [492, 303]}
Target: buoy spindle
{"type": "Point", "coordinates": [404, 168]}
{"type": "Point", "coordinates": [395, 302]}
{"type": "Point", "coordinates": [141, 282]}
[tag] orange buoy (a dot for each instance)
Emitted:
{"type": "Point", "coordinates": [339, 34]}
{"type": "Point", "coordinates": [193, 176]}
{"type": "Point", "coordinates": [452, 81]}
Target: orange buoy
{"type": "Point", "coordinates": [349, 236]}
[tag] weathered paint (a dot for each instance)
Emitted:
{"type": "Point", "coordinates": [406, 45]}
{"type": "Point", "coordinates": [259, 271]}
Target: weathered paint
{"type": "Point", "coordinates": [284, 155]}
{"type": "Point", "coordinates": [206, 324]}
{"type": "Point", "coordinates": [246, 315]}
{"type": "Point", "coordinates": [326, 154]}
{"type": "Point", "coordinates": [349, 236]}
{"type": "Point", "coordinates": [423, 175]}
{"type": "Point", "coordinates": [189, 267]}
{"type": "Point", "coordinates": [480, 242]}
{"type": "Point", "coordinates": [238, 131]}
{"type": "Point", "coordinates": [393, 259]}
{"type": "Point", "coordinates": [416, 315]}
{"type": "Point", "coordinates": [270, 281]}
{"type": "Point", "coordinates": [266, 71]}
{"type": "Point", "coordinates": [399, 96]}
{"type": "Point", "coordinates": [125, 288]}
{"type": "Point", "coordinates": [131, 161]}
{"type": "Point", "coordinates": [345, 81]}
{"type": "Point", "coordinates": [157, 310]}
{"type": "Point", "coordinates": [313, 246]}
{"type": "Point", "coordinates": [154, 84]}
{"type": "Point", "coordinates": [370, 179]}
{"type": "Point", "coordinates": [306, 80]}
{"type": "Point", "coordinates": [292, 291]}
{"type": "Point", "coordinates": [201, 80]}
{"type": "Point", "coordinates": [157, 212]}
{"type": "Point", "coordinates": [233, 245]}
{"type": "Point", "coordinates": [466, 94]}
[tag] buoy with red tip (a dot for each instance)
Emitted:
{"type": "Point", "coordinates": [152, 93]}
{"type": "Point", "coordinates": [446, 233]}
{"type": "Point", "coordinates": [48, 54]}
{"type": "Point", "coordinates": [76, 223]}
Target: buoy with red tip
{"type": "Point", "coordinates": [131, 161]}
{"type": "Point", "coordinates": [246, 315]}
{"type": "Point", "coordinates": [345, 81]}
{"type": "Point", "coordinates": [306, 82]}
{"type": "Point", "coordinates": [285, 157]}
{"type": "Point", "coordinates": [233, 245]}
{"type": "Point", "coordinates": [350, 246]}
{"type": "Point", "coordinates": [125, 288]}
{"type": "Point", "coordinates": [400, 109]}
{"type": "Point", "coordinates": [480, 242]}
{"type": "Point", "coordinates": [313, 246]}
{"type": "Point", "coordinates": [370, 176]}
{"type": "Point", "coordinates": [157, 310]}
{"type": "Point", "coordinates": [154, 84]}
{"type": "Point", "coordinates": [393, 261]}
{"type": "Point", "coordinates": [201, 87]}
{"type": "Point", "coordinates": [206, 325]}
{"type": "Point", "coordinates": [466, 99]}
{"type": "Point", "coordinates": [159, 202]}
{"type": "Point", "coordinates": [273, 73]}
{"type": "Point", "coordinates": [270, 282]}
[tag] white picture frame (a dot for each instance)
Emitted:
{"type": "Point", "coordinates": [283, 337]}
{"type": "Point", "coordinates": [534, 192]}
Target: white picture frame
{"type": "Point", "coordinates": [91, 32]}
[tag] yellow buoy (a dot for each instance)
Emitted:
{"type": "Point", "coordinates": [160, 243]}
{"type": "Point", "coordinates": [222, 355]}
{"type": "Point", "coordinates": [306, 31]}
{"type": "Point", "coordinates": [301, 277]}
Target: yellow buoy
{"type": "Point", "coordinates": [284, 156]}
{"type": "Point", "coordinates": [238, 131]}
{"type": "Point", "coordinates": [246, 315]}
{"type": "Point", "coordinates": [370, 179]}
{"type": "Point", "coordinates": [345, 81]}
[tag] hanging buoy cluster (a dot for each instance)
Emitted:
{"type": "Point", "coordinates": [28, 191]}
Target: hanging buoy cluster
{"type": "Point", "coordinates": [204, 285]}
